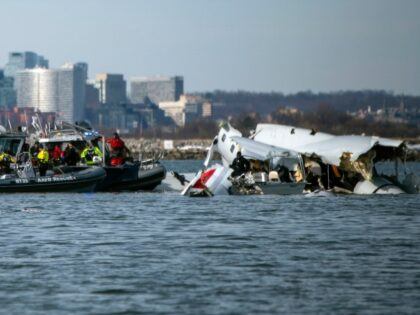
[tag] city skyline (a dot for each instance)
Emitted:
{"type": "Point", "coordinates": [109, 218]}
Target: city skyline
{"type": "Point", "coordinates": [263, 46]}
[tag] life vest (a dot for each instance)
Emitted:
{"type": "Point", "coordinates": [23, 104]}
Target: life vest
{"type": "Point", "coordinates": [116, 161]}
{"type": "Point", "coordinates": [56, 153]}
{"type": "Point", "coordinates": [43, 156]}
{"type": "Point", "coordinates": [5, 159]}
{"type": "Point", "coordinates": [116, 143]}
{"type": "Point", "coordinates": [89, 153]}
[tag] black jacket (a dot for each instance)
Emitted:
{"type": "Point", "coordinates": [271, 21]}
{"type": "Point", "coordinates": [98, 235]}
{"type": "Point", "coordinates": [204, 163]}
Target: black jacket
{"type": "Point", "coordinates": [240, 165]}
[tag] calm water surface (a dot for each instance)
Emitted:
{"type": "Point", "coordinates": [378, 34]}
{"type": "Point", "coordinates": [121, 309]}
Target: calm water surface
{"type": "Point", "coordinates": [160, 253]}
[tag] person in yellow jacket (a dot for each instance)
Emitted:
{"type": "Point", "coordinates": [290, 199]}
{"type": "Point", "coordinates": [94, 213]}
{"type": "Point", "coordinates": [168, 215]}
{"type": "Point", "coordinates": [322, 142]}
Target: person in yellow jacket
{"type": "Point", "coordinates": [91, 155]}
{"type": "Point", "coordinates": [5, 160]}
{"type": "Point", "coordinates": [43, 158]}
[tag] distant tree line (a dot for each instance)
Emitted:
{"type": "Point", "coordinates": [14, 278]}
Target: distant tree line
{"type": "Point", "coordinates": [233, 103]}
{"type": "Point", "coordinates": [324, 118]}
{"type": "Point", "coordinates": [327, 119]}
{"type": "Point", "coordinates": [325, 112]}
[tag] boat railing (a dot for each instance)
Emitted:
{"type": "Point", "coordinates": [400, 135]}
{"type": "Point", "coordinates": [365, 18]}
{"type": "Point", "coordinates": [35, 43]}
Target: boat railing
{"type": "Point", "coordinates": [25, 170]}
{"type": "Point", "coordinates": [148, 164]}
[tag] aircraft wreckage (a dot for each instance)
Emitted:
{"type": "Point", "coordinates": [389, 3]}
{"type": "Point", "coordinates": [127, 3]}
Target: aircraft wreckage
{"type": "Point", "coordinates": [289, 160]}
{"type": "Point", "coordinates": [347, 163]}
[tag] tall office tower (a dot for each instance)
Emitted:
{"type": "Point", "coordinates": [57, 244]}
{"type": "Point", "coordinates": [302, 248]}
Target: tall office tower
{"type": "Point", "coordinates": [72, 91]}
{"type": "Point", "coordinates": [112, 88]}
{"type": "Point", "coordinates": [58, 90]}
{"type": "Point", "coordinates": [23, 60]}
{"type": "Point", "coordinates": [37, 88]}
{"type": "Point", "coordinates": [157, 89]}
{"type": "Point", "coordinates": [7, 92]}
{"type": "Point", "coordinates": [92, 95]}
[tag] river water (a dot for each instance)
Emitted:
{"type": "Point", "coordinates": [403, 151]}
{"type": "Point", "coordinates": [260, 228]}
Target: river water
{"type": "Point", "coordinates": [160, 253]}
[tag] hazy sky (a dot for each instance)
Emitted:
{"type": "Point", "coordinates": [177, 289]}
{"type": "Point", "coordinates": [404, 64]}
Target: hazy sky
{"type": "Point", "coordinates": [256, 45]}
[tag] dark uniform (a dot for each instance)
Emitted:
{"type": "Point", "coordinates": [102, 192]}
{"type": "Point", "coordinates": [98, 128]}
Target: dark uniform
{"type": "Point", "coordinates": [240, 165]}
{"type": "Point", "coordinates": [71, 155]}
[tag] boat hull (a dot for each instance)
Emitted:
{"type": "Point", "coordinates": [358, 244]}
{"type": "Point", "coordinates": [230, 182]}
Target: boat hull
{"type": "Point", "coordinates": [132, 178]}
{"type": "Point", "coordinates": [78, 181]}
{"type": "Point", "coordinates": [128, 177]}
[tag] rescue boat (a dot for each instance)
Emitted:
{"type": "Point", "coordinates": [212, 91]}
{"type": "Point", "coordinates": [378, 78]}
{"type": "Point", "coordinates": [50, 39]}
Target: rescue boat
{"type": "Point", "coordinates": [26, 180]}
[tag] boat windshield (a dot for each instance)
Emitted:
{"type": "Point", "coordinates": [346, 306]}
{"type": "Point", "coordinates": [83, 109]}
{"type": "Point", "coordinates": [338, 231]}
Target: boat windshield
{"type": "Point", "coordinates": [10, 145]}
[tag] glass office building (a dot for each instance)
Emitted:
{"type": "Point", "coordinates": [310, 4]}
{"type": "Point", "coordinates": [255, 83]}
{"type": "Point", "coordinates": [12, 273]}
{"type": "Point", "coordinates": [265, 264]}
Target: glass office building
{"type": "Point", "coordinates": [157, 89]}
{"type": "Point", "coordinates": [23, 60]}
{"type": "Point", "coordinates": [112, 88]}
{"type": "Point", "coordinates": [54, 90]}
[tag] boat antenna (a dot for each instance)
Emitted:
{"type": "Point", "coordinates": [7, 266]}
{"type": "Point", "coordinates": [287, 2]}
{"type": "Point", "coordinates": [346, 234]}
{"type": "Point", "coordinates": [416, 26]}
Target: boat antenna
{"type": "Point", "coordinates": [26, 119]}
{"type": "Point", "coordinates": [40, 123]}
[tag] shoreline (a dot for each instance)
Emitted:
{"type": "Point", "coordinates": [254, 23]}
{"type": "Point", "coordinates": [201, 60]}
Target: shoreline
{"type": "Point", "coordinates": [163, 149]}
{"type": "Point", "coordinates": [187, 149]}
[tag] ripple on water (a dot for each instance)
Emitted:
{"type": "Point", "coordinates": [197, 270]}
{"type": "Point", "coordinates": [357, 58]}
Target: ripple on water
{"type": "Point", "coordinates": [165, 254]}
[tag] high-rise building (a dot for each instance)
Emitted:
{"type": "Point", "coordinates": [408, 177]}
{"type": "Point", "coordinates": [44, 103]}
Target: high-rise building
{"type": "Point", "coordinates": [57, 90]}
{"type": "Point", "coordinates": [72, 91]}
{"type": "Point", "coordinates": [156, 89]}
{"type": "Point", "coordinates": [112, 88]}
{"type": "Point", "coordinates": [7, 92]}
{"type": "Point", "coordinates": [23, 60]}
{"type": "Point", "coordinates": [37, 88]}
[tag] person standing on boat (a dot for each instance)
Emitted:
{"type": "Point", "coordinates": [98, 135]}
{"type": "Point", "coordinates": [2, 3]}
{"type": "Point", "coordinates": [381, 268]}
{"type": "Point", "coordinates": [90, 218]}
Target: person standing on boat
{"type": "Point", "coordinates": [5, 160]}
{"type": "Point", "coordinates": [71, 155]}
{"type": "Point", "coordinates": [43, 158]}
{"type": "Point", "coordinates": [56, 155]}
{"type": "Point", "coordinates": [240, 165]}
{"type": "Point", "coordinates": [89, 153]}
{"type": "Point", "coordinates": [118, 149]}
{"type": "Point", "coordinates": [33, 152]}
